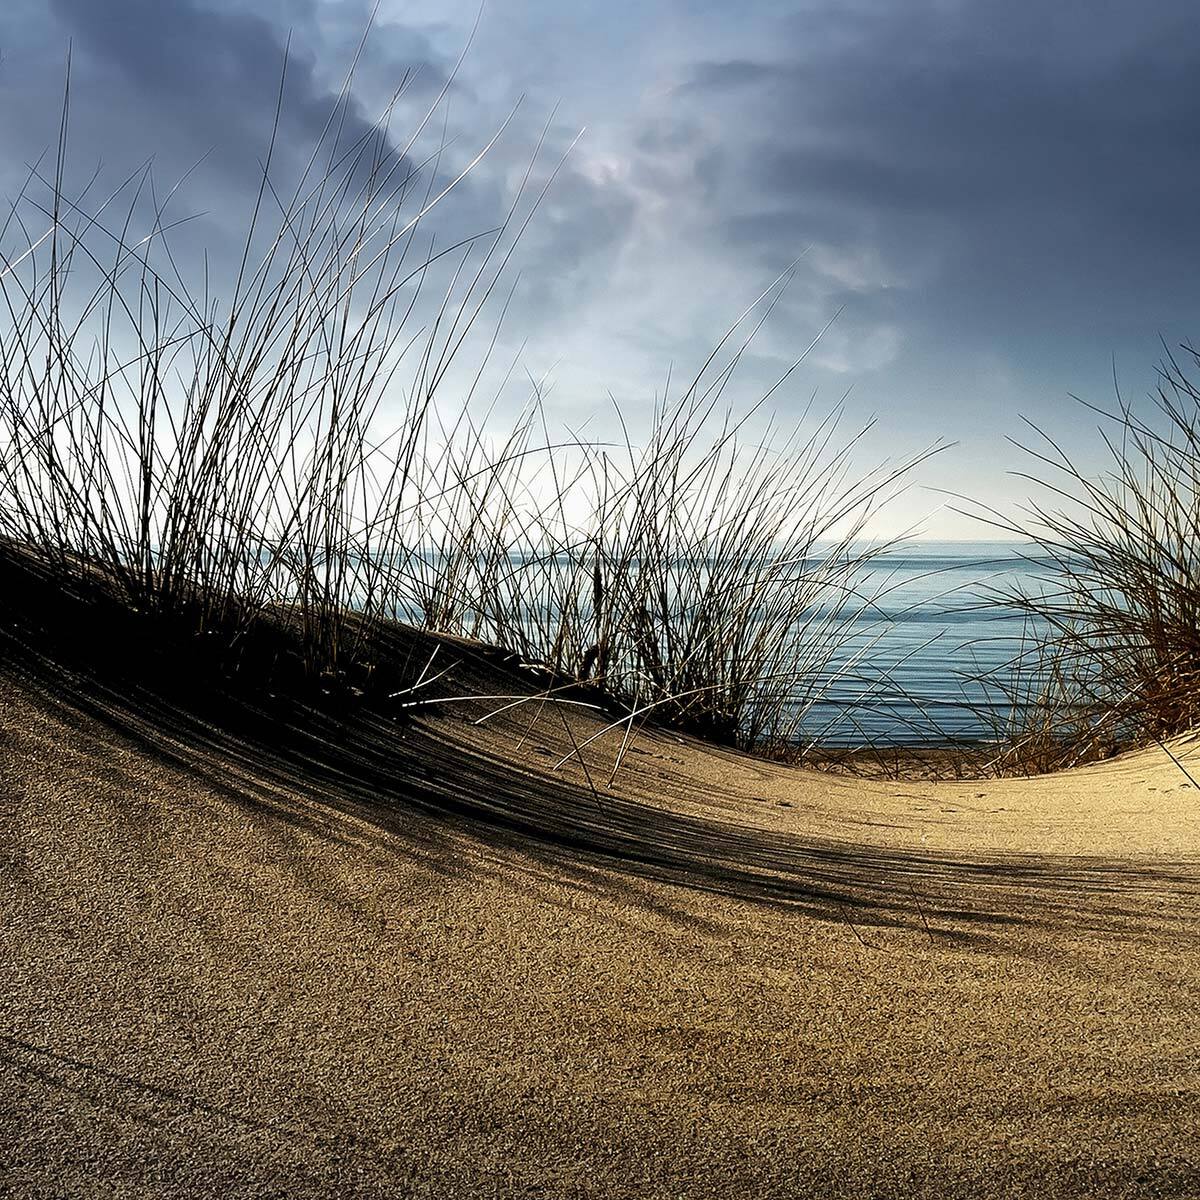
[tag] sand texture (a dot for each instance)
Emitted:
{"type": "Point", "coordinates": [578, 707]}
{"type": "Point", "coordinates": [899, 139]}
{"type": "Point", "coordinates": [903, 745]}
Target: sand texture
{"type": "Point", "coordinates": [249, 954]}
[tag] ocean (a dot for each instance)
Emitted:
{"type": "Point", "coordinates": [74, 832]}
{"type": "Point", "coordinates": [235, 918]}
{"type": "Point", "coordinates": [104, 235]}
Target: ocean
{"type": "Point", "coordinates": [930, 662]}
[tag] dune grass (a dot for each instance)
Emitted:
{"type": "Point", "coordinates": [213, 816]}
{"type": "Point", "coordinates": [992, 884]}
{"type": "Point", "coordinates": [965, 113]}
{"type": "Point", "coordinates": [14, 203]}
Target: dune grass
{"type": "Point", "coordinates": [296, 448]}
{"type": "Point", "coordinates": [1113, 654]}
{"type": "Point", "coordinates": [307, 444]}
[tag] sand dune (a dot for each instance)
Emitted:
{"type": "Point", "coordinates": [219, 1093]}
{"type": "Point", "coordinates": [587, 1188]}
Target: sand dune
{"type": "Point", "coordinates": [263, 954]}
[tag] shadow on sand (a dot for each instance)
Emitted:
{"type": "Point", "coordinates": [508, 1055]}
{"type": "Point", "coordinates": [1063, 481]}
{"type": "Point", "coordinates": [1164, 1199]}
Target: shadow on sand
{"type": "Point", "coordinates": [412, 784]}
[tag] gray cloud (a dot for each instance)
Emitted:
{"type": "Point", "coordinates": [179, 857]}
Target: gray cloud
{"type": "Point", "coordinates": [998, 195]}
{"type": "Point", "coordinates": [183, 81]}
{"type": "Point", "coordinates": [1028, 155]}
{"type": "Point", "coordinates": [196, 81]}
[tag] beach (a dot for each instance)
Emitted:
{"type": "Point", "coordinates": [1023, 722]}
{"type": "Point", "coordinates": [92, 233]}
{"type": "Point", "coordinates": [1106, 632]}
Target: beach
{"type": "Point", "coordinates": [598, 602]}
{"type": "Point", "coordinates": [259, 957]}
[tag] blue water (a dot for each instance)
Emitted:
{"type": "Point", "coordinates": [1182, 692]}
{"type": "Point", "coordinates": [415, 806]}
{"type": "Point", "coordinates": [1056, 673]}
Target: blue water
{"type": "Point", "coordinates": [931, 661]}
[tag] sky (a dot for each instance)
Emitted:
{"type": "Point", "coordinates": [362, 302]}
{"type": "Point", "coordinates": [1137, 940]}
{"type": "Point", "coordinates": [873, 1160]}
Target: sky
{"type": "Point", "coordinates": [997, 200]}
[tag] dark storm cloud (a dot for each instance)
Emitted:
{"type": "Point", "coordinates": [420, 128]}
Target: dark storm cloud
{"type": "Point", "coordinates": [704, 77]}
{"type": "Point", "coordinates": [999, 195]}
{"type": "Point", "coordinates": [1005, 161]}
{"type": "Point", "coordinates": [208, 79]}
{"type": "Point", "coordinates": [196, 81]}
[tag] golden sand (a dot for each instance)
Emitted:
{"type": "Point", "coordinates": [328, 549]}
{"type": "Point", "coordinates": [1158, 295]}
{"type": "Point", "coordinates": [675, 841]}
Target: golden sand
{"type": "Point", "coordinates": [394, 961]}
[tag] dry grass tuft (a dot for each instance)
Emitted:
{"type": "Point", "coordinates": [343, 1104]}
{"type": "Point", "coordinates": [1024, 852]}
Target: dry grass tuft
{"type": "Point", "coordinates": [1113, 659]}
{"type": "Point", "coordinates": [281, 452]}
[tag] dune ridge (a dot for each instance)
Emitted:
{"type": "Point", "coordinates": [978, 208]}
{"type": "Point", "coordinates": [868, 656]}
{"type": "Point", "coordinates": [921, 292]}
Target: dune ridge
{"type": "Point", "coordinates": [254, 949]}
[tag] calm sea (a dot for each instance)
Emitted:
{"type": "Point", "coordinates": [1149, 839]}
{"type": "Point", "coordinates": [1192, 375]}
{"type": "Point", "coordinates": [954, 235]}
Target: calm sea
{"type": "Point", "coordinates": [930, 662]}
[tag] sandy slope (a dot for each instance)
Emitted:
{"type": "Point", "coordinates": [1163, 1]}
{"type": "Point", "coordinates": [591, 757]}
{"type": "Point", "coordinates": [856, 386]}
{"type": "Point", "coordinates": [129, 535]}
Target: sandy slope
{"type": "Point", "coordinates": [388, 962]}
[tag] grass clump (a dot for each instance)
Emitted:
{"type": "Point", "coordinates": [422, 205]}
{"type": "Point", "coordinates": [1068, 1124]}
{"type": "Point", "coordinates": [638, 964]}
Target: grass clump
{"type": "Point", "coordinates": [1113, 659]}
{"type": "Point", "coordinates": [281, 453]}
{"type": "Point", "coordinates": [218, 458]}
